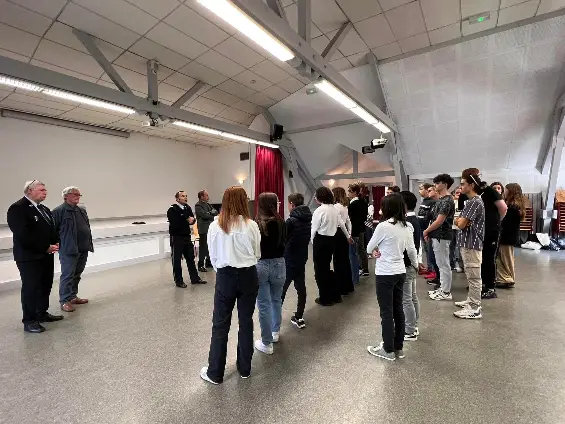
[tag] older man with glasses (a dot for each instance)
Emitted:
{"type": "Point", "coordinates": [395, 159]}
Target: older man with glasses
{"type": "Point", "coordinates": [35, 242]}
{"type": "Point", "coordinates": [73, 227]}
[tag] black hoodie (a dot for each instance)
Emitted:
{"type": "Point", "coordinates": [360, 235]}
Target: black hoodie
{"type": "Point", "coordinates": [298, 227]}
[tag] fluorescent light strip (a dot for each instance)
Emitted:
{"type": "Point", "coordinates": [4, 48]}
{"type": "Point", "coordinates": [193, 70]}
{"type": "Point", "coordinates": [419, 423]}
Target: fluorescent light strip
{"type": "Point", "coordinates": [248, 27]}
{"type": "Point", "coordinates": [232, 136]}
{"type": "Point", "coordinates": [25, 85]}
{"type": "Point", "coordinates": [342, 99]}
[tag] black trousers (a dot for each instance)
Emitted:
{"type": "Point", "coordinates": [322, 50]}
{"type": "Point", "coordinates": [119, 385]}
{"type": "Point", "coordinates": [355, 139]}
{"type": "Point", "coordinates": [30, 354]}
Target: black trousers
{"type": "Point", "coordinates": [342, 265]}
{"type": "Point", "coordinates": [322, 254]}
{"type": "Point", "coordinates": [233, 284]}
{"type": "Point", "coordinates": [488, 266]}
{"type": "Point", "coordinates": [203, 254]}
{"type": "Point", "coordinates": [37, 280]}
{"type": "Point", "coordinates": [182, 246]}
{"type": "Point", "coordinates": [389, 296]}
{"type": "Point", "coordinates": [298, 275]}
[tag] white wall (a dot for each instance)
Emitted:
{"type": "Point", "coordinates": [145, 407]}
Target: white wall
{"type": "Point", "coordinates": [118, 177]}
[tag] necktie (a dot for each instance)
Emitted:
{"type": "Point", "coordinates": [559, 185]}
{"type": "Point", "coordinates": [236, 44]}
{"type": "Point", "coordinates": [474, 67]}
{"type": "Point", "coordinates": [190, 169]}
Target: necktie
{"type": "Point", "coordinates": [44, 214]}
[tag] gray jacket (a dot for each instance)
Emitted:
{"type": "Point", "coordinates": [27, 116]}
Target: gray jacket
{"type": "Point", "coordinates": [205, 214]}
{"type": "Point", "coordinates": [65, 223]}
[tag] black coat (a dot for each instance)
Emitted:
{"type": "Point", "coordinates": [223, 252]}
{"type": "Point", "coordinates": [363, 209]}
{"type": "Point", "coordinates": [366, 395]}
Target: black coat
{"type": "Point", "coordinates": [358, 211]}
{"type": "Point", "coordinates": [298, 233]}
{"type": "Point", "coordinates": [178, 220]}
{"type": "Point", "coordinates": [32, 233]}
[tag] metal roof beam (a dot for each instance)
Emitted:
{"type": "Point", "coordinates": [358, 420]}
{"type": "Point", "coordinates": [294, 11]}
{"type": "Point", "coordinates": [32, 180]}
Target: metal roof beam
{"type": "Point", "coordinates": [334, 44]}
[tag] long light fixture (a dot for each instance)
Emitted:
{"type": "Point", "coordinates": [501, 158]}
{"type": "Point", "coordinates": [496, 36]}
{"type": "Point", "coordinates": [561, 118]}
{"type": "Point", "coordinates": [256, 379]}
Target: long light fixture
{"type": "Point", "coordinates": [227, 11]}
{"type": "Point", "coordinates": [25, 85]}
{"type": "Point", "coordinates": [224, 134]}
{"type": "Point", "coordinates": [344, 100]}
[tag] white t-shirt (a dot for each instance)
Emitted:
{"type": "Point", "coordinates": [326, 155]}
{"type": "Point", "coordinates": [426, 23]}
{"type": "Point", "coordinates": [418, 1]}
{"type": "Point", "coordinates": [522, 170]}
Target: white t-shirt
{"type": "Point", "coordinates": [325, 221]}
{"type": "Point", "coordinates": [240, 248]}
{"type": "Point", "coordinates": [344, 214]}
{"type": "Point", "coordinates": [392, 240]}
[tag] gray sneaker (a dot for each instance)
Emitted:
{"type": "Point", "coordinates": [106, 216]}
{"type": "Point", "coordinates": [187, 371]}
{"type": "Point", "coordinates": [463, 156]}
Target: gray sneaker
{"type": "Point", "coordinates": [381, 353]}
{"type": "Point", "coordinates": [400, 354]}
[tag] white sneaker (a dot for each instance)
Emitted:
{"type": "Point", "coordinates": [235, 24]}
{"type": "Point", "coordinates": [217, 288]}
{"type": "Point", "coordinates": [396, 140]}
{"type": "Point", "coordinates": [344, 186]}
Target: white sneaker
{"type": "Point", "coordinates": [469, 313]}
{"type": "Point", "coordinates": [416, 331]}
{"type": "Point", "coordinates": [440, 295]}
{"type": "Point", "coordinates": [462, 304]}
{"type": "Point", "coordinates": [204, 376]}
{"type": "Point", "coordinates": [458, 269]}
{"type": "Point", "coordinates": [430, 292]}
{"type": "Point", "coordinates": [267, 349]}
{"type": "Point", "coordinates": [276, 336]}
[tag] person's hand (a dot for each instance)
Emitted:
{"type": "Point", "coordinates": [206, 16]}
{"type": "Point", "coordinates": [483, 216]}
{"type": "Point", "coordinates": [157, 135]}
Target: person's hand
{"type": "Point", "coordinates": [53, 248]}
{"type": "Point", "coordinates": [350, 240]}
{"type": "Point", "coordinates": [422, 268]}
{"type": "Point", "coordinates": [376, 254]}
{"type": "Point", "coordinates": [190, 220]}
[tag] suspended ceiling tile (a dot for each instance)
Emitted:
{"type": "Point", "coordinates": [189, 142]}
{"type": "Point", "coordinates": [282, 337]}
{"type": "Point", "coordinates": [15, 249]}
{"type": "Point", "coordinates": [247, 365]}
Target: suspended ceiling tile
{"type": "Point", "coordinates": [375, 31]}
{"type": "Point", "coordinates": [474, 7]}
{"type": "Point", "coordinates": [203, 73]}
{"type": "Point", "coordinates": [351, 44]}
{"type": "Point", "coordinates": [389, 50]}
{"type": "Point", "coordinates": [19, 97]}
{"type": "Point", "coordinates": [391, 4]}
{"type": "Point", "coordinates": [180, 81]}
{"type": "Point", "coordinates": [450, 32]}
{"type": "Point", "coordinates": [67, 58]}
{"type": "Point", "coordinates": [207, 105]}
{"type": "Point", "coordinates": [88, 116]}
{"type": "Point", "coordinates": [327, 15]}
{"type": "Point", "coordinates": [22, 18]}
{"type": "Point", "coordinates": [63, 70]}
{"type": "Point", "coordinates": [320, 43]}
{"type": "Point", "coordinates": [122, 13]}
{"type": "Point", "coordinates": [358, 59]}
{"type": "Point", "coordinates": [252, 80]}
{"type": "Point", "coordinates": [28, 107]}
{"type": "Point", "coordinates": [235, 115]}
{"type": "Point", "coordinates": [236, 89]}
{"type": "Point", "coordinates": [151, 50]}
{"type": "Point", "coordinates": [134, 80]}
{"type": "Point", "coordinates": [169, 92]}
{"type": "Point", "coordinates": [50, 8]}
{"type": "Point", "coordinates": [212, 17]}
{"type": "Point", "coordinates": [261, 99]}
{"type": "Point", "coordinates": [440, 13]}
{"type": "Point", "coordinates": [14, 56]}
{"type": "Point", "coordinates": [176, 41]}
{"type": "Point", "coordinates": [194, 25]}
{"type": "Point", "coordinates": [138, 64]}
{"type": "Point", "coordinates": [199, 112]}
{"type": "Point", "coordinates": [276, 93]}
{"type": "Point", "coordinates": [270, 71]}
{"type": "Point", "coordinates": [63, 34]}
{"type": "Point", "coordinates": [508, 3]}
{"type": "Point", "coordinates": [221, 96]}
{"type": "Point", "coordinates": [291, 12]}
{"type": "Point", "coordinates": [341, 64]}
{"type": "Point", "coordinates": [357, 10]}
{"type": "Point", "coordinates": [220, 63]}
{"type": "Point", "coordinates": [248, 107]}
{"type": "Point", "coordinates": [158, 9]}
{"type": "Point", "coordinates": [414, 43]}
{"type": "Point", "coordinates": [406, 21]}
{"type": "Point", "coordinates": [17, 41]}
{"type": "Point", "coordinates": [518, 12]}
{"type": "Point", "coordinates": [81, 18]}
{"type": "Point", "coordinates": [547, 6]}
{"type": "Point", "coordinates": [291, 85]}
{"type": "Point", "coordinates": [239, 52]}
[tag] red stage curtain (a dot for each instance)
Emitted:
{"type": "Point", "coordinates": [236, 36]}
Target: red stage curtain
{"type": "Point", "coordinates": [378, 194]}
{"type": "Point", "coordinates": [269, 174]}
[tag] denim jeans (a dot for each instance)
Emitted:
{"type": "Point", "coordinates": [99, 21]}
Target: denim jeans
{"type": "Point", "coordinates": [72, 267]}
{"type": "Point", "coordinates": [441, 253]}
{"type": "Point", "coordinates": [354, 260]}
{"type": "Point", "coordinates": [410, 303]}
{"type": "Point", "coordinates": [454, 253]}
{"type": "Point", "coordinates": [272, 275]}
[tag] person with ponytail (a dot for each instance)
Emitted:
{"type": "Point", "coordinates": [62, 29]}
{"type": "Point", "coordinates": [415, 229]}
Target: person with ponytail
{"type": "Point", "coordinates": [510, 235]}
{"type": "Point", "coordinates": [234, 245]}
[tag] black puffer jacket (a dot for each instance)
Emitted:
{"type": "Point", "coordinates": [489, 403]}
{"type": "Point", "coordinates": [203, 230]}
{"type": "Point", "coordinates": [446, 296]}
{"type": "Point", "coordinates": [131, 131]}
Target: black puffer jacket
{"type": "Point", "coordinates": [298, 227]}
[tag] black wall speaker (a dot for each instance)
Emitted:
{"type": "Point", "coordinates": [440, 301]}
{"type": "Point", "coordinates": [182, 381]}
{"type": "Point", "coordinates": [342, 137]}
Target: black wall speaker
{"type": "Point", "coordinates": [276, 132]}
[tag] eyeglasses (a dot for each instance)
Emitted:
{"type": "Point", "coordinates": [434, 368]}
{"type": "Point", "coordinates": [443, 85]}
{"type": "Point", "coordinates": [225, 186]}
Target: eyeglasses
{"type": "Point", "coordinates": [75, 194]}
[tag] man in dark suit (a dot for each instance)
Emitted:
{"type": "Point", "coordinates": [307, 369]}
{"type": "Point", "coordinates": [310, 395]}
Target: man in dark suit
{"type": "Point", "coordinates": [35, 242]}
{"type": "Point", "coordinates": [180, 218]}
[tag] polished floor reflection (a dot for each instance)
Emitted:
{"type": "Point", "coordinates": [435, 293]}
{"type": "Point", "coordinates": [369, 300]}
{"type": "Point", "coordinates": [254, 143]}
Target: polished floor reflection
{"type": "Point", "coordinates": [134, 353]}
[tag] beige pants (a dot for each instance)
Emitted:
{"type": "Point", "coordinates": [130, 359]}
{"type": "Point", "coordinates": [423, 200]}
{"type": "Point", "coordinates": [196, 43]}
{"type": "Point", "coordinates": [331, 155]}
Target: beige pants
{"type": "Point", "coordinates": [505, 273]}
{"type": "Point", "coordinates": [472, 260]}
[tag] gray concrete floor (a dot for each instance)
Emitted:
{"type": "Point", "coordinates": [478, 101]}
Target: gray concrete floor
{"type": "Point", "coordinates": [134, 353]}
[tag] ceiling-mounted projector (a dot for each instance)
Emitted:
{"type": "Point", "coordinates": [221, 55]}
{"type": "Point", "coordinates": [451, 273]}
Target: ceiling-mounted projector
{"type": "Point", "coordinates": [376, 143]}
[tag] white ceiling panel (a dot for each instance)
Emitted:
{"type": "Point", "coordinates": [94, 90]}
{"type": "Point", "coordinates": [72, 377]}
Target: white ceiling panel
{"type": "Point", "coordinates": [468, 29]}
{"type": "Point", "coordinates": [212, 17]}
{"type": "Point", "coordinates": [390, 50]}
{"type": "Point", "coordinates": [199, 112]}
{"type": "Point", "coordinates": [219, 63]}
{"type": "Point", "coordinates": [221, 97]}
{"type": "Point", "coordinates": [391, 4]}
{"type": "Point", "coordinates": [446, 33]}
{"type": "Point", "coordinates": [17, 41]}
{"type": "Point", "coordinates": [29, 107]}
{"type": "Point", "coordinates": [341, 64]}
{"type": "Point", "coordinates": [207, 105]}
{"type": "Point", "coordinates": [357, 10]}
{"type": "Point", "coordinates": [239, 52]}
{"type": "Point", "coordinates": [180, 81]}
{"type": "Point", "coordinates": [170, 93]}
{"type": "Point", "coordinates": [50, 8]}
{"type": "Point", "coordinates": [474, 7]}
{"type": "Point", "coordinates": [276, 93]}
{"type": "Point", "coordinates": [291, 12]}
{"type": "Point", "coordinates": [68, 58]}
{"type": "Point", "coordinates": [236, 89]}
{"type": "Point", "coordinates": [194, 25]}
{"type": "Point", "coordinates": [22, 18]}
{"type": "Point", "coordinates": [122, 13]}
{"type": "Point", "coordinates": [351, 44]}
{"type": "Point", "coordinates": [176, 41]}
{"type": "Point", "coordinates": [440, 13]}
{"type": "Point", "coordinates": [547, 6]}
{"type": "Point", "coordinates": [327, 15]}
{"type": "Point", "coordinates": [203, 73]}
{"type": "Point", "coordinates": [134, 80]}
{"type": "Point", "coordinates": [358, 59]}
{"type": "Point", "coordinates": [248, 107]}
{"type": "Point", "coordinates": [151, 50]}
{"type": "Point", "coordinates": [235, 115]}
{"type": "Point", "coordinates": [62, 70]}
{"type": "Point", "coordinates": [158, 9]}
{"type": "Point", "coordinates": [261, 100]}
{"type": "Point", "coordinates": [414, 43]}
{"type": "Point", "coordinates": [406, 21]}
{"type": "Point", "coordinates": [138, 64]}
{"type": "Point", "coordinates": [270, 71]}
{"type": "Point", "coordinates": [252, 80]}
{"type": "Point", "coordinates": [89, 116]}
{"type": "Point", "coordinates": [41, 101]}
{"type": "Point", "coordinates": [375, 31]}
{"type": "Point", "coordinates": [291, 84]}
{"type": "Point", "coordinates": [14, 56]}
{"type": "Point", "coordinates": [81, 18]}
{"type": "Point", "coordinates": [518, 12]}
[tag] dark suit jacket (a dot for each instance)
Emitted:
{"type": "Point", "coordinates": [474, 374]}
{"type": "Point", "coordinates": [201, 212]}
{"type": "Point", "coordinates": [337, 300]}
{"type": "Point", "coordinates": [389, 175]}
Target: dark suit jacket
{"type": "Point", "coordinates": [178, 224]}
{"type": "Point", "coordinates": [32, 234]}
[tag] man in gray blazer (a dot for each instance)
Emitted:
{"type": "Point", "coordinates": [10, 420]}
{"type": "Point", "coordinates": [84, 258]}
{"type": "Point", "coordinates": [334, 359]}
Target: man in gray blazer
{"type": "Point", "coordinates": [205, 214]}
{"type": "Point", "coordinates": [73, 227]}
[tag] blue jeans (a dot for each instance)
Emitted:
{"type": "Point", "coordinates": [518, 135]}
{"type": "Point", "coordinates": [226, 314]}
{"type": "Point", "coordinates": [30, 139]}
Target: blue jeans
{"type": "Point", "coordinates": [272, 275]}
{"type": "Point", "coordinates": [72, 267]}
{"type": "Point", "coordinates": [354, 260]}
